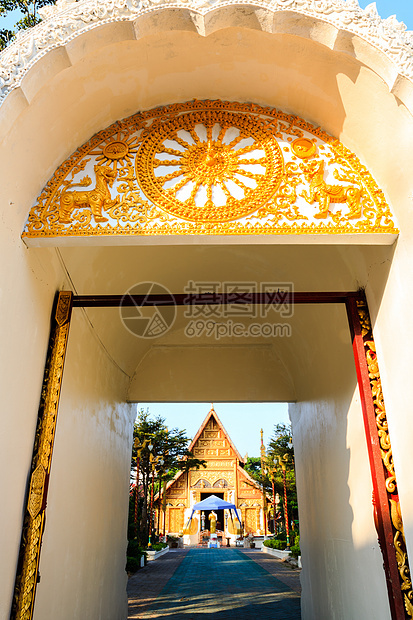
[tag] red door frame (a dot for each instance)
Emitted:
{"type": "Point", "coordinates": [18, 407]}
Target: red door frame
{"type": "Point", "coordinates": [386, 526]}
{"type": "Point", "coordinates": [385, 498]}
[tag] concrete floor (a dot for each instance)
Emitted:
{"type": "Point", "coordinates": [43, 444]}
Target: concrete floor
{"type": "Point", "coordinates": [229, 584]}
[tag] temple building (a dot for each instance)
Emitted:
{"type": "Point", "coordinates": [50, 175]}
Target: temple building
{"type": "Point", "coordinates": [224, 476]}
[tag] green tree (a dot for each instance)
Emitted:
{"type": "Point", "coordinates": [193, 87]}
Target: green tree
{"type": "Point", "coordinates": [280, 449]}
{"type": "Point", "coordinates": [162, 453]}
{"type": "Point", "coordinates": [29, 16]}
{"type": "Point", "coordinates": [253, 467]}
{"type": "Point", "coordinates": [280, 442]}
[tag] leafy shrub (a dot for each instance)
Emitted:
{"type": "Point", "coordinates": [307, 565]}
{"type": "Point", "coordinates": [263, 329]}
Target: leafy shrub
{"type": "Point", "coordinates": [158, 547]}
{"type": "Point", "coordinates": [133, 556]}
{"type": "Point", "coordinates": [134, 549]}
{"type": "Point", "coordinates": [274, 543]}
{"type": "Point", "coordinates": [295, 549]}
{"type": "Point", "coordinates": [132, 564]}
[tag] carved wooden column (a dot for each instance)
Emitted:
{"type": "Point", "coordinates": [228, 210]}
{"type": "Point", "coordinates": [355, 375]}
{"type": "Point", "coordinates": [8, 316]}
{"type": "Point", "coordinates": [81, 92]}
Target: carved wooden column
{"type": "Point", "coordinates": [387, 513]}
{"type": "Point", "coordinates": [34, 518]}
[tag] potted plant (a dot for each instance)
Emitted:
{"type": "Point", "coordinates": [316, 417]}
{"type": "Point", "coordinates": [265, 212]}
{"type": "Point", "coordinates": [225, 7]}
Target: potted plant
{"type": "Point", "coordinates": [172, 541]}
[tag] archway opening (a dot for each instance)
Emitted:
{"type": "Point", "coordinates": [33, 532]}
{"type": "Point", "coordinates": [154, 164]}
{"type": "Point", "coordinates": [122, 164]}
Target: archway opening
{"type": "Point", "coordinates": [327, 416]}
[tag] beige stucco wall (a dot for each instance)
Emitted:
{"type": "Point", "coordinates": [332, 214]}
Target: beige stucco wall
{"type": "Point", "coordinates": [82, 88]}
{"type": "Point", "coordinates": [82, 564]}
{"type": "Point", "coordinates": [28, 283]}
{"type": "Point", "coordinates": [342, 576]}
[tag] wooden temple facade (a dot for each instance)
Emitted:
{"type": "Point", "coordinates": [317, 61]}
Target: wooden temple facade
{"type": "Point", "coordinates": [223, 476]}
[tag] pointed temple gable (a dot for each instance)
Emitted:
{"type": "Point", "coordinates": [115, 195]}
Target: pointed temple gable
{"type": "Point", "coordinates": [213, 441]}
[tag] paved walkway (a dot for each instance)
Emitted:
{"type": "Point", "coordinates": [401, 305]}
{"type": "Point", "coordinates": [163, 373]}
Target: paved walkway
{"type": "Point", "coordinates": [215, 584]}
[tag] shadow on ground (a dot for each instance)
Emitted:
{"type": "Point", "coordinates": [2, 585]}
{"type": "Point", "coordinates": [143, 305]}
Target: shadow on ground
{"type": "Point", "coordinates": [217, 583]}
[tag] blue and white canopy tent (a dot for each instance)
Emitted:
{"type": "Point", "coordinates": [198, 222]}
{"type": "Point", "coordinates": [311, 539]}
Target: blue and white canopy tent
{"type": "Point", "coordinates": [213, 503]}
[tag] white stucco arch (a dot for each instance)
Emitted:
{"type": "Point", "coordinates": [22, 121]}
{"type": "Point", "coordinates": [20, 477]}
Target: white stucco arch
{"type": "Point", "coordinates": [86, 67]}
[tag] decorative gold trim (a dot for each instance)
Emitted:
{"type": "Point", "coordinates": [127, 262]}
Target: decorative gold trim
{"type": "Point", "coordinates": [387, 458]}
{"type": "Point", "coordinates": [26, 579]}
{"type": "Point", "coordinates": [37, 483]}
{"type": "Point", "coordinates": [210, 168]}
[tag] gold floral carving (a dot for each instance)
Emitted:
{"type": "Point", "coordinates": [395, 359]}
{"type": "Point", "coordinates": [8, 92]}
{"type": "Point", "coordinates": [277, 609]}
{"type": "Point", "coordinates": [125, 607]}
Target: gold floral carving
{"type": "Point", "coordinates": [251, 519]}
{"type": "Point", "coordinates": [173, 503]}
{"type": "Point", "coordinates": [221, 464]}
{"type": "Point", "coordinates": [198, 452]}
{"type": "Point", "coordinates": [176, 519]}
{"type": "Point", "coordinates": [211, 443]}
{"type": "Point", "coordinates": [63, 308]}
{"type": "Point", "coordinates": [36, 491]}
{"type": "Point", "coordinates": [212, 477]}
{"type": "Point", "coordinates": [210, 168]}
{"type": "Point", "coordinates": [26, 578]}
{"type": "Point", "coordinates": [225, 452]}
{"type": "Point", "coordinates": [401, 555]}
{"type": "Point", "coordinates": [222, 483]}
{"type": "Point", "coordinates": [387, 458]}
{"type": "Point", "coordinates": [202, 483]}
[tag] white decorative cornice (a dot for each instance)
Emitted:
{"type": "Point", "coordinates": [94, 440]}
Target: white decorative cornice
{"type": "Point", "coordinates": [68, 19]}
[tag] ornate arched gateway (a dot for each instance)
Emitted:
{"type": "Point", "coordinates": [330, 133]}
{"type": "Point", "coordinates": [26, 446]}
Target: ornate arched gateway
{"type": "Point", "coordinates": [266, 145]}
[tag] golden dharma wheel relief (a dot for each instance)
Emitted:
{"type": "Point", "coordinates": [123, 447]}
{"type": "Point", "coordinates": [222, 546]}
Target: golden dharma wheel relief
{"type": "Point", "coordinates": [210, 168]}
{"type": "Point", "coordinates": [198, 165]}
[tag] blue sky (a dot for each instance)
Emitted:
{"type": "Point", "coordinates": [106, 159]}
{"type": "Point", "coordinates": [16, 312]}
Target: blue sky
{"type": "Point", "coordinates": [242, 421]}
{"type": "Point", "coordinates": [402, 8]}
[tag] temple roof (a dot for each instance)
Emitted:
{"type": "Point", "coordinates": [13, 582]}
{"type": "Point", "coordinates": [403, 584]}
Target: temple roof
{"type": "Point", "coordinates": [213, 413]}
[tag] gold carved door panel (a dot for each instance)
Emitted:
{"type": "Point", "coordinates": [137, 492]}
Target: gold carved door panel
{"type": "Point", "coordinates": [251, 520]}
{"type": "Point", "coordinates": [176, 519]}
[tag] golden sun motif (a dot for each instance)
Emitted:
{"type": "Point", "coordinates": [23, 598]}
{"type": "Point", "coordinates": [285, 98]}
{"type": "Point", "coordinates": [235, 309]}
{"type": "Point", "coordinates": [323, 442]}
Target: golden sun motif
{"type": "Point", "coordinates": [304, 148]}
{"type": "Point", "coordinates": [211, 166]}
{"type": "Point", "coordinates": [116, 150]}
